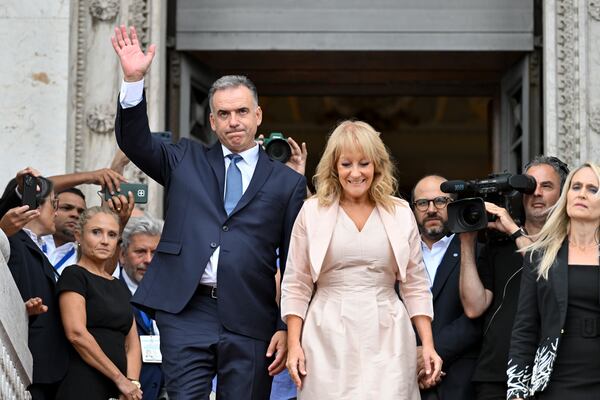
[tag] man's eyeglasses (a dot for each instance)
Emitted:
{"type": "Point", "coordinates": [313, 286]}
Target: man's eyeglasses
{"type": "Point", "coordinates": [439, 203]}
{"type": "Point", "coordinates": [54, 203]}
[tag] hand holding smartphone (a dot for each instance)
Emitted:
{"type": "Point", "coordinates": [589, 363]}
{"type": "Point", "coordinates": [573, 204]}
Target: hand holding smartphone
{"type": "Point", "coordinates": [139, 190]}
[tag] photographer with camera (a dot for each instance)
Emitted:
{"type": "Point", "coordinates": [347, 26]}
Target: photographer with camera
{"type": "Point", "coordinates": [492, 282]}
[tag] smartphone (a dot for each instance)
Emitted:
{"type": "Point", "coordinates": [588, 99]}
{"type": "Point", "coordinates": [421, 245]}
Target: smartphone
{"type": "Point", "coordinates": [139, 190]}
{"type": "Point", "coordinates": [30, 191]}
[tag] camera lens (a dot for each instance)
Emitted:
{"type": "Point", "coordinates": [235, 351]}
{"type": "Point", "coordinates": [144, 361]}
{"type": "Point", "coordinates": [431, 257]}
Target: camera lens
{"type": "Point", "coordinates": [279, 150]}
{"type": "Point", "coordinates": [471, 215]}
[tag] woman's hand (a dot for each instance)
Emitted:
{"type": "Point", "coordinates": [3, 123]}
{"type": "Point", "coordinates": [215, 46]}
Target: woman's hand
{"type": "Point", "coordinates": [128, 389]}
{"type": "Point", "coordinates": [35, 306]}
{"type": "Point", "coordinates": [432, 365]}
{"type": "Point", "coordinates": [295, 363]}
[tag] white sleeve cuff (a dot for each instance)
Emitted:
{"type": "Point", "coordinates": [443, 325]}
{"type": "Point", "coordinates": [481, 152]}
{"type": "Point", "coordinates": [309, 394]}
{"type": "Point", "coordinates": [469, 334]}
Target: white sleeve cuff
{"type": "Point", "coordinates": [131, 93]}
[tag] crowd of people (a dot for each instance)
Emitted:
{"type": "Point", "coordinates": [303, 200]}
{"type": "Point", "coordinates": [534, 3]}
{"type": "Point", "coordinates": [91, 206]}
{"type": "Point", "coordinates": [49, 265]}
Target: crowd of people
{"type": "Point", "coordinates": [350, 293]}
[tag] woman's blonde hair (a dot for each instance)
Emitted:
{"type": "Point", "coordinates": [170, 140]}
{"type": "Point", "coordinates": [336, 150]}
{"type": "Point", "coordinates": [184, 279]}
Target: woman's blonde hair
{"type": "Point", "coordinates": [549, 241]}
{"type": "Point", "coordinates": [360, 136]}
{"type": "Point", "coordinates": [89, 213]}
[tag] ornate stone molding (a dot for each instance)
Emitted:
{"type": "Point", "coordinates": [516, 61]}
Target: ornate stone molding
{"type": "Point", "coordinates": [80, 69]}
{"type": "Point", "coordinates": [101, 119]}
{"type": "Point", "coordinates": [594, 119]}
{"type": "Point", "coordinates": [138, 17]}
{"type": "Point", "coordinates": [104, 10]}
{"type": "Point", "coordinates": [567, 77]}
{"type": "Point", "coordinates": [594, 9]}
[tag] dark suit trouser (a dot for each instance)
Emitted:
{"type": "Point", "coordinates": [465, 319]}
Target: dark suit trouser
{"type": "Point", "coordinates": [195, 347]}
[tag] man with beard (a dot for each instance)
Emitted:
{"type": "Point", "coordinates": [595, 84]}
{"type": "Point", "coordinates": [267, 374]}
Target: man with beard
{"type": "Point", "coordinates": [60, 247]}
{"type": "Point", "coordinates": [456, 336]}
{"type": "Point", "coordinates": [492, 284]}
{"type": "Point", "coordinates": [139, 241]}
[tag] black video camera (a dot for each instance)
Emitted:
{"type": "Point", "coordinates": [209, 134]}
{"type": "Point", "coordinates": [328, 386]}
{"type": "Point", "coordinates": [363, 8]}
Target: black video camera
{"type": "Point", "coordinates": [505, 190]}
{"type": "Point", "coordinates": [277, 147]}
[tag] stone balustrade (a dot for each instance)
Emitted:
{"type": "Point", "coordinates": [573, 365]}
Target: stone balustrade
{"type": "Point", "coordinates": [16, 363]}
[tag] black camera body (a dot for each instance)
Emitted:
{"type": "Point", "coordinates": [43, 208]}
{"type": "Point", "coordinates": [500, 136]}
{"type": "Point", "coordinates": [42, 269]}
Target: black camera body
{"type": "Point", "coordinates": [468, 214]}
{"type": "Point", "coordinates": [277, 147]}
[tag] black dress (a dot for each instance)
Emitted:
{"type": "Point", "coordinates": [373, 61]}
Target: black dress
{"type": "Point", "coordinates": [576, 371]}
{"type": "Point", "coordinates": [109, 319]}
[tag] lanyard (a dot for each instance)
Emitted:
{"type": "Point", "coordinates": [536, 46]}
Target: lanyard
{"type": "Point", "coordinates": [64, 259]}
{"type": "Point", "coordinates": [147, 322]}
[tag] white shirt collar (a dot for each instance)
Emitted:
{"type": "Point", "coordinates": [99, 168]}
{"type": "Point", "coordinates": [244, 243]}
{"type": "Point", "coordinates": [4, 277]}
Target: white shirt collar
{"type": "Point", "coordinates": [130, 282]}
{"type": "Point", "coordinates": [250, 156]}
{"type": "Point", "coordinates": [38, 240]}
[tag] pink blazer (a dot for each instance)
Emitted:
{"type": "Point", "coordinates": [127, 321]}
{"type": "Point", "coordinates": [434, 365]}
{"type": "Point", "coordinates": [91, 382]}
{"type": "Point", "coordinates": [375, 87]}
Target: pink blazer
{"type": "Point", "coordinates": [311, 235]}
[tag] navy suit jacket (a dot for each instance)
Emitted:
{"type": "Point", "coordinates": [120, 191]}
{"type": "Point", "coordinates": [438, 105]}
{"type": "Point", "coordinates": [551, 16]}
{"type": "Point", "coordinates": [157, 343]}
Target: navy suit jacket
{"type": "Point", "coordinates": [196, 224]}
{"type": "Point", "coordinates": [457, 338]}
{"type": "Point", "coordinates": [151, 375]}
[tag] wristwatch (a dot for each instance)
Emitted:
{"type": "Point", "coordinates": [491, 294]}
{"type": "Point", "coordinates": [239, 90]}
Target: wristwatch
{"type": "Point", "coordinates": [518, 233]}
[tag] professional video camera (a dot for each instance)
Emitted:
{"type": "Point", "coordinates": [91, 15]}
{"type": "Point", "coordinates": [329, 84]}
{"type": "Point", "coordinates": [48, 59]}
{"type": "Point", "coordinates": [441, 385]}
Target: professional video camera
{"type": "Point", "coordinates": [277, 147]}
{"type": "Point", "coordinates": [505, 190]}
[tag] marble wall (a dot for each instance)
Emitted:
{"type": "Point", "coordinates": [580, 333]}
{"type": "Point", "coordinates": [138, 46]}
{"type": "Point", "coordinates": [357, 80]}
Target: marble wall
{"type": "Point", "coordinates": [34, 76]}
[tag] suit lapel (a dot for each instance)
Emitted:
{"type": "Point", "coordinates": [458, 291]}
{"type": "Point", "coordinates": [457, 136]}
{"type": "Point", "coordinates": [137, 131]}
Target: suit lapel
{"type": "Point", "coordinates": [559, 273]}
{"type": "Point", "coordinates": [447, 265]}
{"type": "Point", "coordinates": [393, 231]}
{"type": "Point", "coordinates": [46, 266]}
{"type": "Point", "coordinates": [140, 322]}
{"type": "Point", "coordinates": [214, 156]}
{"type": "Point", "coordinates": [321, 235]}
{"type": "Point", "coordinates": [263, 169]}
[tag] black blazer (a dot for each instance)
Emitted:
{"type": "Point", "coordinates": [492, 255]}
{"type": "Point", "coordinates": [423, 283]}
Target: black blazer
{"type": "Point", "coordinates": [196, 224]}
{"type": "Point", "coordinates": [35, 277]}
{"type": "Point", "coordinates": [538, 325]}
{"type": "Point", "coordinates": [457, 338]}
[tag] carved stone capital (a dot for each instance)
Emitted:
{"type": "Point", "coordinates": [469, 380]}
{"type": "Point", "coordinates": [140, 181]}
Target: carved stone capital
{"type": "Point", "coordinates": [594, 9]}
{"type": "Point", "coordinates": [101, 119]}
{"type": "Point", "coordinates": [104, 10]}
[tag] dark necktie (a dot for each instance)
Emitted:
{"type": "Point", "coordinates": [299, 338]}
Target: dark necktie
{"type": "Point", "coordinates": [233, 188]}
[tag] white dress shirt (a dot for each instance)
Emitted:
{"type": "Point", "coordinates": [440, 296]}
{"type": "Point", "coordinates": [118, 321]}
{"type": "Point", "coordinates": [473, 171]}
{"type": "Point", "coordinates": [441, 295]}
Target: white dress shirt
{"type": "Point", "coordinates": [56, 254]}
{"type": "Point", "coordinates": [433, 257]}
{"type": "Point", "coordinates": [130, 96]}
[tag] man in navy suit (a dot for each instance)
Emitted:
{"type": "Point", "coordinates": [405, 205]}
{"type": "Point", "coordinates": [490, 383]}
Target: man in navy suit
{"type": "Point", "coordinates": [229, 207]}
{"type": "Point", "coordinates": [138, 244]}
{"type": "Point", "coordinates": [457, 338]}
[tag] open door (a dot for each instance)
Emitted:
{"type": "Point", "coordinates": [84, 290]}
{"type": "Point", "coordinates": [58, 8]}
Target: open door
{"type": "Point", "coordinates": [194, 110]}
{"type": "Point", "coordinates": [520, 121]}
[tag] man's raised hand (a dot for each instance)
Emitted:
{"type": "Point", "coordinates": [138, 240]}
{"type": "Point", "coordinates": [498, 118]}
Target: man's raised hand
{"type": "Point", "coordinates": [134, 62]}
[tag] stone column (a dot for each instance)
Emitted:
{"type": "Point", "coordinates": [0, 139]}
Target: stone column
{"type": "Point", "coordinates": [96, 80]}
{"type": "Point", "coordinates": [571, 87]}
{"type": "Point", "coordinates": [16, 364]}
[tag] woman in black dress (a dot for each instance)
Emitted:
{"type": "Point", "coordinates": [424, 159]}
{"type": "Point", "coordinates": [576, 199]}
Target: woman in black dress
{"type": "Point", "coordinates": [556, 334]}
{"type": "Point", "coordinates": [98, 318]}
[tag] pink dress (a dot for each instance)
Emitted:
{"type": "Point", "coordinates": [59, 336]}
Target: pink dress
{"type": "Point", "coordinates": [357, 336]}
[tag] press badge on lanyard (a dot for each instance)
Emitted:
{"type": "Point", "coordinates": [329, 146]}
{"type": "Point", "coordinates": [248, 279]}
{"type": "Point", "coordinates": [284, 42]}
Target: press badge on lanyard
{"type": "Point", "coordinates": [151, 349]}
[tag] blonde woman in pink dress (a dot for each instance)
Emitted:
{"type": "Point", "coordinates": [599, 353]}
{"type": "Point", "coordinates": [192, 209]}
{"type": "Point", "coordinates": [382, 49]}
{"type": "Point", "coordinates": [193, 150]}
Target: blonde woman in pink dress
{"type": "Point", "coordinates": [349, 335]}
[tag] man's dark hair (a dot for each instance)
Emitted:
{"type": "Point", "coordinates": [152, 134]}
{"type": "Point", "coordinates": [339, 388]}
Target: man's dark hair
{"type": "Point", "coordinates": [231, 81]}
{"type": "Point", "coordinates": [556, 163]}
{"type": "Point", "coordinates": [73, 190]}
